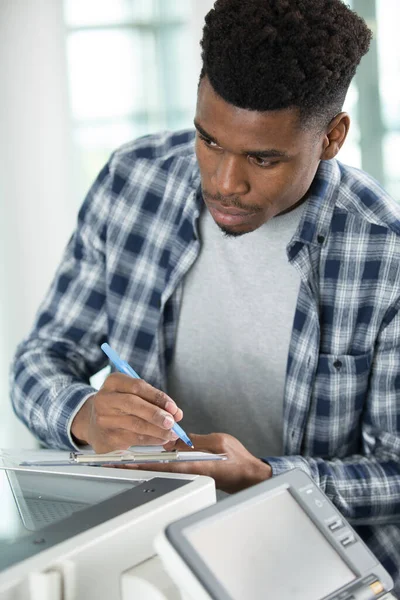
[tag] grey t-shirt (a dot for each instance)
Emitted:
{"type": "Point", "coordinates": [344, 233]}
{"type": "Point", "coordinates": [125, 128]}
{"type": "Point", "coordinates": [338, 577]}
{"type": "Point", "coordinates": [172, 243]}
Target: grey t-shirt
{"type": "Point", "coordinates": [229, 365]}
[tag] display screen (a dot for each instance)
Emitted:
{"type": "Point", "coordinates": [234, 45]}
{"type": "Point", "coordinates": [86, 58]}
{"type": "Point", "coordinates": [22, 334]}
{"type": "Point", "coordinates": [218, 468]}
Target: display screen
{"type": "Point", "coordinates": [269, 548]}
{"type": "Point", "coordinates": [31, 501]}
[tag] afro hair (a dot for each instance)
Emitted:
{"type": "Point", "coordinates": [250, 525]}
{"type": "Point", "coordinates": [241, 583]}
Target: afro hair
{"type": "Point", "coordinates": [275, 54]}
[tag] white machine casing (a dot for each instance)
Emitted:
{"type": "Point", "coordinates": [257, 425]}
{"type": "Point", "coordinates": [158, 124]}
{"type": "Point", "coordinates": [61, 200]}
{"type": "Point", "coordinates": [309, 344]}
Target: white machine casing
{"type": "Point", "coordinates": [265, 542]}
{"type": "Point", "coordinates": [178, 570]}
{"type": "Point", "coordinates": [92, 564]}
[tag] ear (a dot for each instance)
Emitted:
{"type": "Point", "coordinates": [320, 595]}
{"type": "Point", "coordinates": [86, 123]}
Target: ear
{"type": "Point", "coordinates": [335, 135]}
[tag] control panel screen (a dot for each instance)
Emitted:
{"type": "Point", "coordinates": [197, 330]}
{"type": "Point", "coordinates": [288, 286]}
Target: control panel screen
{"type": "Point", "coordinates": [269, 548]}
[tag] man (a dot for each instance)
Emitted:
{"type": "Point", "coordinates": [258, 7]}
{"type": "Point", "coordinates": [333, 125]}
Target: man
{"type": "Point", "coordinates": [244, 272]}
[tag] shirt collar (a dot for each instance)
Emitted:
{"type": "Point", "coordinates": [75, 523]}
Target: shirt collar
{"type": "Point", "coordinates": [315, 223]}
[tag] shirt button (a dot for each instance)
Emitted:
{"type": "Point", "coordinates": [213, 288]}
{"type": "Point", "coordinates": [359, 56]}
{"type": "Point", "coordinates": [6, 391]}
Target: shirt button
{"type": "Point", "coordinates": [320, 239]}
{"type": "Point", "coordinates": [337, 364]}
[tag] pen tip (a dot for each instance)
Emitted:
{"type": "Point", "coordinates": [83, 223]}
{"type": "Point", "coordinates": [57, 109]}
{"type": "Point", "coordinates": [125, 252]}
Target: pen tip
{"type": "Point", "coordinates": [191, 445]}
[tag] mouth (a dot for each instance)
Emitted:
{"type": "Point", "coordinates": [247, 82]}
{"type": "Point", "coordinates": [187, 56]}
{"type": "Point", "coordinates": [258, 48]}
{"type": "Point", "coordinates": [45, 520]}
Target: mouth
{"type": "Point", "coordinates": [225, 215]}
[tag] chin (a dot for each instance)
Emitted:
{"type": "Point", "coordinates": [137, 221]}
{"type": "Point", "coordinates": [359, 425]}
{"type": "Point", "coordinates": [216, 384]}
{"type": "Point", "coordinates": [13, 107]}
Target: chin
{"type": "Point", "coordinates": [233, 232]}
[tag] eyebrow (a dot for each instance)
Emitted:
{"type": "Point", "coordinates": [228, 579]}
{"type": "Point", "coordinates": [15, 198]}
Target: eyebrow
{"type": "Point", "coordinates": [268, 153]}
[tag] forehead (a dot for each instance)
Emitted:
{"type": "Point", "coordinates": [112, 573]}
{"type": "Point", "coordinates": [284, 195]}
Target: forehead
{"type": "Point", "coordinates": [233, 127]}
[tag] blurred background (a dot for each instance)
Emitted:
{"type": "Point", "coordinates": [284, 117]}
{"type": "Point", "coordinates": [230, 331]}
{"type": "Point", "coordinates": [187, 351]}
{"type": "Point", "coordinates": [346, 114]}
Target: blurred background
{"type": "Point", "coordinates": [79, 78]}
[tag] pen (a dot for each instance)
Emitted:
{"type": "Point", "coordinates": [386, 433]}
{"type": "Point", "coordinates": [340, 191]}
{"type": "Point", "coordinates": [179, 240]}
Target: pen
{"type": "Point", "coordinates": [123, 367]}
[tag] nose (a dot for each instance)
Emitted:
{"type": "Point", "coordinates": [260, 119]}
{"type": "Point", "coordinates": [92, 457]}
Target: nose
{"type": "Point", "coordinates": [230, 175]}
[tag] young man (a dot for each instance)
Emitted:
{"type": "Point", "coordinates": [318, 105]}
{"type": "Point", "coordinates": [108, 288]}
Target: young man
{"type": "Point", "coordinates": [246, 273]}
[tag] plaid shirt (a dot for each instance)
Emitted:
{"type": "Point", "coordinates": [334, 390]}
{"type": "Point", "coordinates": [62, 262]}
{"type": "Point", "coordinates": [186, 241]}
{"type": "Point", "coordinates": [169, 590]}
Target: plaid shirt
{"type": "Point", "coordinates": [120, 280]}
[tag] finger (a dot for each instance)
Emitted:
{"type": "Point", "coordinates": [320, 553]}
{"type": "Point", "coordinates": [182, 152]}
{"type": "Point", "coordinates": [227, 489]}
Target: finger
{"type": "Point", "coordinates": [118, 382]}
{"type": "Point", "coordinates": [134, 406]}
{"type": "Point", "coordinates": [177, 445]}
{"type": "Point", "coordinates": [202, 443]}
{"type": "Point", "coordinates": [217, 443]}
{"type": "Point", "coordinates": [211, 442]}
{"type": "Point", "coordinates": [171, 445]}
{"type": "Point", "coordinates": [136, 428]}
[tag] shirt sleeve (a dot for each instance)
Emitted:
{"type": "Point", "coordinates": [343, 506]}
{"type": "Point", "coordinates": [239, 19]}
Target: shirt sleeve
{"type": "Point", "coordinates": [366, 487]}
{"type": "Point", "coordinates": [50, 374]}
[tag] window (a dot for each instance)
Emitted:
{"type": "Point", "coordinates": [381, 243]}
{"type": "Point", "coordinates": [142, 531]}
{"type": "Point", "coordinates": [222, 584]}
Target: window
{"type": "Point", "coordinates": [131, 70]}
{"type": "Point", "coordinates": [388, 17]}
{"type": "Point", "coordinates": [374, 98]}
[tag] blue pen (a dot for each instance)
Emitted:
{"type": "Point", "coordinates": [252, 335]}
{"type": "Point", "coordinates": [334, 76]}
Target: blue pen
{"type": "Point", "coordinates": [123, 367]}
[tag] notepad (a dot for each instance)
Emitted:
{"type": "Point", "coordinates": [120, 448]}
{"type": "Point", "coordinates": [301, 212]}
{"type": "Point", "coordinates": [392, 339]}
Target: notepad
{"type": "Point", "coordinates": [134, 455]}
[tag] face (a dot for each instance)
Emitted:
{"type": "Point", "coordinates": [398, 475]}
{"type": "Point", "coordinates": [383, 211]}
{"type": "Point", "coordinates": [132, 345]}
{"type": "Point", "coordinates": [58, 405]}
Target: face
{"type": "Point", "coordinates": [253, 165]}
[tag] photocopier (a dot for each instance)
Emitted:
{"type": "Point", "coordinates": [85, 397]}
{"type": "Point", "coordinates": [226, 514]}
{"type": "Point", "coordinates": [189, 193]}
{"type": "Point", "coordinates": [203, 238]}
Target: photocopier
{"type": "Point", "coordinates": [69, 533]}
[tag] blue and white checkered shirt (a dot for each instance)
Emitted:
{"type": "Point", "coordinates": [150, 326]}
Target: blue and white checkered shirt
{"type": "Point", "coordinates": [120, 280]}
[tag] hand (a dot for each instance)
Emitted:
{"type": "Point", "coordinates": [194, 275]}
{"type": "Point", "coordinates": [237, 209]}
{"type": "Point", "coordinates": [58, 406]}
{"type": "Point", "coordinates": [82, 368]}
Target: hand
{"type": "Point", "coordinates": [240, 471]}
{"type": "Point", "coordinates": [126, 412]}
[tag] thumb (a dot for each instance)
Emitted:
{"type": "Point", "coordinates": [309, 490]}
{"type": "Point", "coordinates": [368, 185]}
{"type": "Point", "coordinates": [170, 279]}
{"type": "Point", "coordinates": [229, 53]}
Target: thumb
{"type": "Point", "coordinates": [180, 445]}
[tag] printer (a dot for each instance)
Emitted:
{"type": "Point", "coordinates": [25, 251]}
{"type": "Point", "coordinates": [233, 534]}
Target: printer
{"type": "Point", "coordinates": [95, 532]}
{"type": "Point", "coordinates": [73, 532]}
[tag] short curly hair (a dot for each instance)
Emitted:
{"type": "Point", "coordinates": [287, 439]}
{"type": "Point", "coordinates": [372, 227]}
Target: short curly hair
{"type": "Point", "coordinates": [267, 55]}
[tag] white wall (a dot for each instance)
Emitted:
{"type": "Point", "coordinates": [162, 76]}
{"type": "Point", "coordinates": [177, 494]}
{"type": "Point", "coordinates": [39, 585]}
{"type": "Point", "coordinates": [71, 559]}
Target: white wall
{"type": "Point", "coordinates": [35, 174]}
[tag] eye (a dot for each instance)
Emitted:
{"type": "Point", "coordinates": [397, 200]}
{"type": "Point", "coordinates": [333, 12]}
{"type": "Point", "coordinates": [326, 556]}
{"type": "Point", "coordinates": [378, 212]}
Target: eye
{"type": "Point", "coordinates": [209, 143]}
{"type": "Point", "coordinates": [259, 161]}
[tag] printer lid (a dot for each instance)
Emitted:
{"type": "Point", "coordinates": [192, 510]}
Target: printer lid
{"type": "Point", "coordinates": [40, 509]}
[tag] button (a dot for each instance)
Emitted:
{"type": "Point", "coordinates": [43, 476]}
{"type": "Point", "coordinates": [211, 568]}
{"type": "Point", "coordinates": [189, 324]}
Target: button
{"type": "Point", "coordinates": [336, 524]}
{"type": "Point", "coordinates": [348, 540]}
{"type": "Point", "coordinates": [377, 588]}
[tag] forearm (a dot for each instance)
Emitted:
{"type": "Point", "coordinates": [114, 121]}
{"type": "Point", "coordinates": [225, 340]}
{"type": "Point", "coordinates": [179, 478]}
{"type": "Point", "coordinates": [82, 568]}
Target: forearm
{"type": "Point", "coordinates": [47, 389]}
{"type": "Point", "coordinates": [52, 367]}
{"type": "Point", "coordinates": [365, 489]}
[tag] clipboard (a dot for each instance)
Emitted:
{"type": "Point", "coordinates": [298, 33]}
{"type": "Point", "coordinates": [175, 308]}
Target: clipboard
{"type": "Point", "coordinates": [125, 457]}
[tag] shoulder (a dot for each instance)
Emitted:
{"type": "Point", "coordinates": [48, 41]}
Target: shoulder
{"type": "Point", "coordinates": [151, 162]}
{"type": "Point", "coordinates": [149, 180]}
{"type": "Point", "coordinates": [159, 148]}
{"type": "Point", "coordinates": [361, 196]}
{"type": "Point", "coordinates": [139, 172]}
